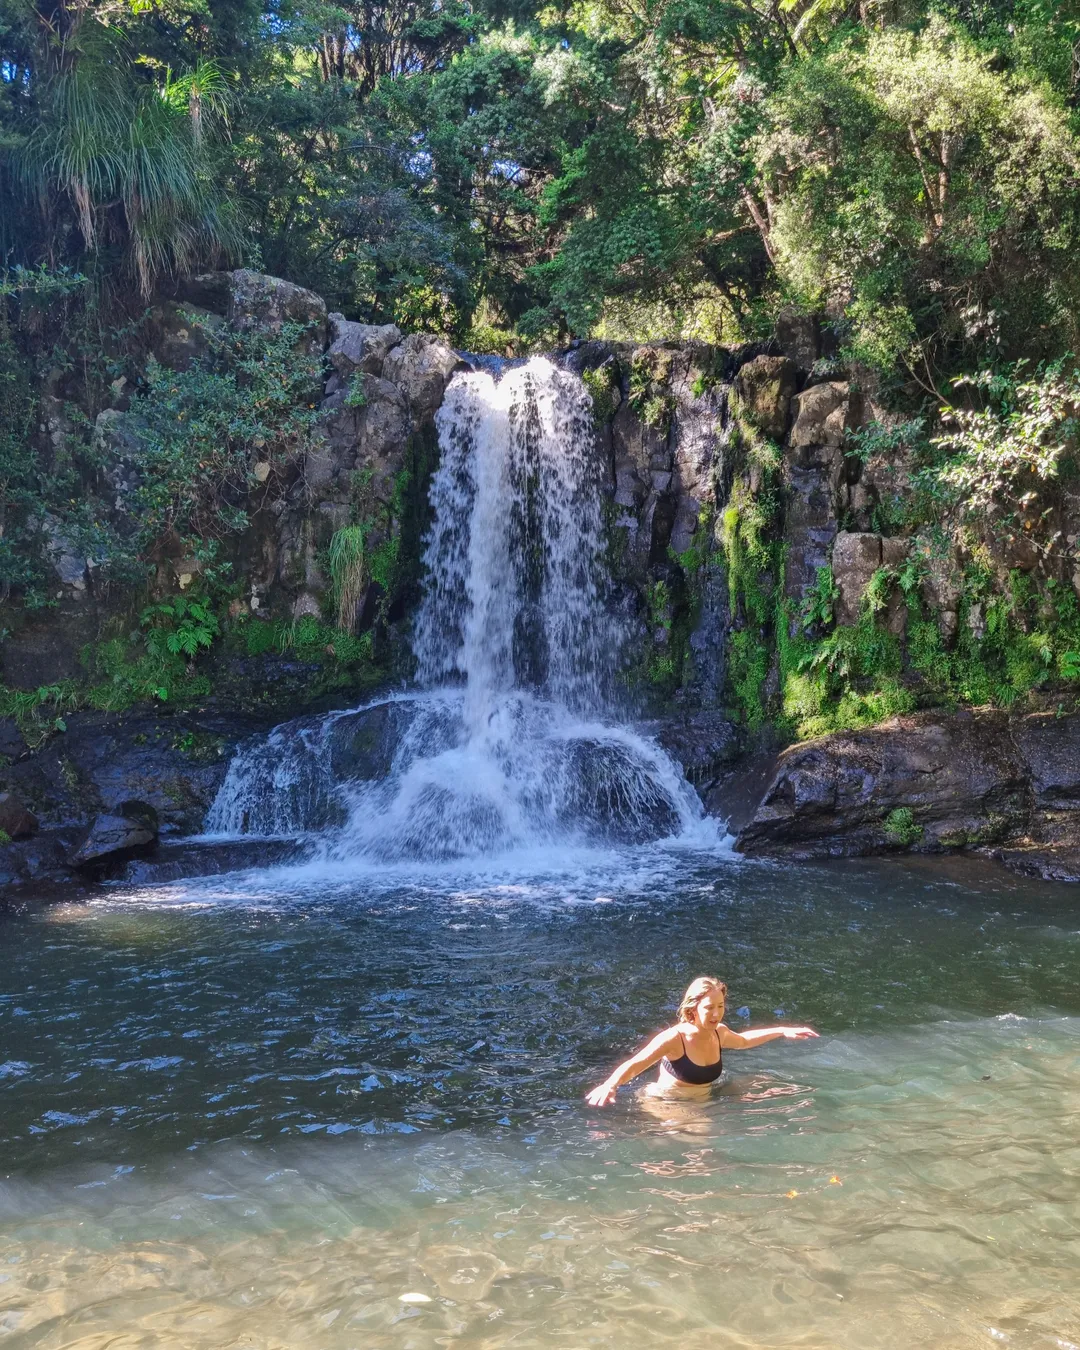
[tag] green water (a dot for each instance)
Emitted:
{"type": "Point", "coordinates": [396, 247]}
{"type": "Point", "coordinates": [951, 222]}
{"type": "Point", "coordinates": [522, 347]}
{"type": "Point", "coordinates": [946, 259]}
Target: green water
{"type": "Point", "coordinates": [257, 1110]}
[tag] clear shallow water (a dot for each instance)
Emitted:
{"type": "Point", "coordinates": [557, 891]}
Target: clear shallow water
{"type": "Point", "coordinates": [256, 1110]}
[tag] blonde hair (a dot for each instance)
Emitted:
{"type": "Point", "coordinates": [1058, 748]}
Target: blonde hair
{"type": "Point", "coordinates": [704, 984]}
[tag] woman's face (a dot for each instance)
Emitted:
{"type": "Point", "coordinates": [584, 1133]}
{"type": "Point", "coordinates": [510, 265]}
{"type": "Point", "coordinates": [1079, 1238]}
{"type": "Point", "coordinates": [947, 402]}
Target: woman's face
{"type": "Point", "coordinates": [710, 1010]}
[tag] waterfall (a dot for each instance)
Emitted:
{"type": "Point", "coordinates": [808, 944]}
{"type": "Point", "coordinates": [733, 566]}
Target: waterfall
{"type": "Point", "coordinates": [514, 556]}
{"type": "Point", "coordinates": [510, 742]}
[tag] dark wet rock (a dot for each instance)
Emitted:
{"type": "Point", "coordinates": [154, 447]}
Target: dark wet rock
{"type": "Point", "coordinates": [1050, 748]}
{"type": "Point", "coordinates": [363, 744]}
{"type": "Point", "coordinates": [175, 862]}
{"type": "Point", "coordinates": [12, 743]}
{"type": "Point", "coordinates": [734, 797]}
{"type": "Point", "coordinates": [704, 744]}
{"type": "Point", "coordinates": [130, 830]}
{"type": "Point", "coordinates": [174, 762]}
{"type": "Point", "coordinates": [601, 799]}
{"type": "Point", "coordinates": [968, 780]}
{"type": "Point", "coordinates": [46, 647]}
{"type": "Point", "coordinates": [44, 858]}
{"type": "Point", "coordinates": [15, 820]}
{"type": "Point", "coordinates": [1045, 863]}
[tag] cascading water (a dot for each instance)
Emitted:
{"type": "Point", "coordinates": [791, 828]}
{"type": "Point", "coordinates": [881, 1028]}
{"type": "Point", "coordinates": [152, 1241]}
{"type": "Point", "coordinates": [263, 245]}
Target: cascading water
{"type": "Point", "coordinates": [512, 745]}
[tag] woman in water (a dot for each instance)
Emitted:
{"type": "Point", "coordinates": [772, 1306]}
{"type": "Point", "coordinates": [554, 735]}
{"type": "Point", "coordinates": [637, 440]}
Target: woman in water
{"type": "Point", "coordinates": [691, 1053]}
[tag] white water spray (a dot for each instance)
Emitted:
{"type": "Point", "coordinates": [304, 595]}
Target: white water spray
{"type": "Point", "coordinates": [512, 747]}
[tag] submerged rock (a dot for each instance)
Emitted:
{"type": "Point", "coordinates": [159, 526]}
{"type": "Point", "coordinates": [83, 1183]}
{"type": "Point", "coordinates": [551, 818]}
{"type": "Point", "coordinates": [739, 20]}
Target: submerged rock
{"type": "Point", "coordinates": [1046, 864]}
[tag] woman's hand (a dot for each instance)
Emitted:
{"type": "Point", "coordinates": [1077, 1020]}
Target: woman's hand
{"type": "Point", "coordinates": [798, 1033]}
{"type": "Point", "coordinates": [604, 1095]}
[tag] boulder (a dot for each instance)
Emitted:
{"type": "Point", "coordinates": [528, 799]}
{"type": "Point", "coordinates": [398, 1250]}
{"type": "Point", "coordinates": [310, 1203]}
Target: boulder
{"type": "Point", "coordinates": [178, 333]}
{"type": "Point", "coordinates": [132, 828]}
{"type": "Point", "coordinates": [371, 435]}
{"type": "Point", "coordinates": [359, 346]}
{"type": "Point", "coordinates": [855, 559]}
{"type": "Point", "coordinates": [1050, 748]}
{"type": "Point", "coordinates": [421, 366]}
{"type": "Point", "coordinates": [116, 446]}
{"type": "Point", "coordinates": [39, 860]}
{"type": "Point", "coordinates": [253, 300]}
{"type": "Point", "coordinates": [15, 820]}
{"type": "Point", "coordinates": [257, 301]}
{"type": "Point", "coordinates": [766, 386]}
{"type": "Point", "coordinates": [363, 744]}
{"type": "Point", "coordinates": [809, 528]}
{"type": "Point", "coordinates": [942, 586]}
{"type": "Point", "coordinates": [961, 776]}
{"type": "Point", "coordinates": [820, 419]}
{"type": "Point", "coordinates": [172, 761]}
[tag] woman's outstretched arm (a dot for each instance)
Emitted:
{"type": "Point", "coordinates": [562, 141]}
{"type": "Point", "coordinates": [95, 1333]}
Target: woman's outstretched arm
{"type": "Point", "coordinates": [743, 1040]}
{"type": "Point", "coordinates": [663, 1043]}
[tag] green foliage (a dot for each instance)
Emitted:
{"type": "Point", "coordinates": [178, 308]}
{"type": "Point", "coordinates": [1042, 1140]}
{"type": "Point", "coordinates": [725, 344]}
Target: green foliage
{"type": "Point", "coordinates": [664, 656]}
{"type": "Point", "coordinates": [1008, 645]}
{"type": "Point", "coordinates": [199, 432]}
{"type": "Point", "coordinates": [876, 438]}
{"type": "Point", "coordinates": [181, 626]}
{"type": "Point", "coordinates": [900, 827]}
{"type": "Point", "coordinates": [933, 188]}
{"type": "Point", "coordinates": [1003, 459]}
{"type": "Point", "coordinates": [39, 713]}
{"type": "Point", "coordinates": [309, 640]}
{"type": "Point", "coordinates": [750, 560]}
{"type": "Point", "coordinates": [355, 396]}
{"type": "Point", "coordinates": [650, 394]}
{"type": "Point", "coordinates": [157, 660]}
{"type": "Point", "coordinates": [820, 603]}
{"type": "Point", "coordinates": [127, 161]}
{"type": "Point", "coordinates": [601, 387]}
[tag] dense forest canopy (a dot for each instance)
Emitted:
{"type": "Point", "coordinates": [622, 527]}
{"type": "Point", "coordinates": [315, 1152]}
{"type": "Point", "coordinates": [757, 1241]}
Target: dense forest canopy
{"type": "Point", "coordinates": [514, 173]}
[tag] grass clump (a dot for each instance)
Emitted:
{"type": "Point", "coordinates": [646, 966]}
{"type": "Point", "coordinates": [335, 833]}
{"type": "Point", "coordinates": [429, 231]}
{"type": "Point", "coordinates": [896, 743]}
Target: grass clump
{"type": "Point", "coordinates": [348, 574]}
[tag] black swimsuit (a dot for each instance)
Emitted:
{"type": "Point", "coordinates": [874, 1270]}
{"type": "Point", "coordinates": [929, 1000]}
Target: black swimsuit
{"type": "Point", "coordinates": [686, 1071]}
